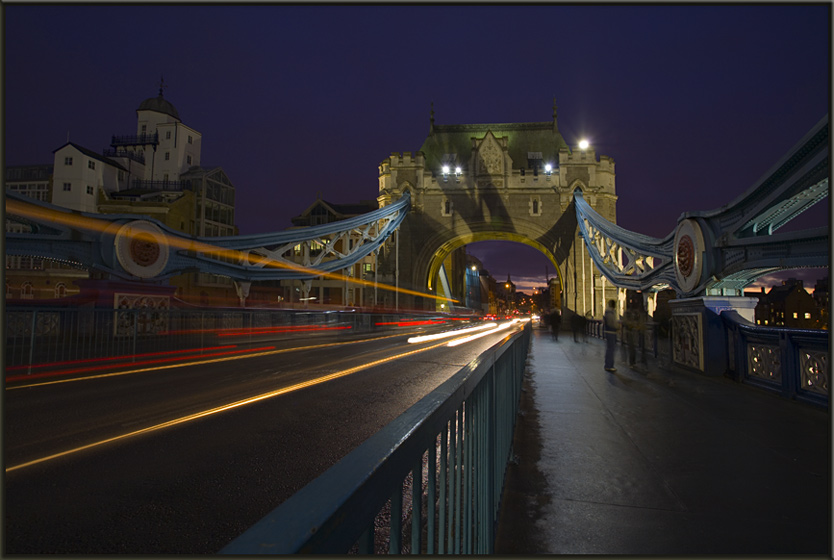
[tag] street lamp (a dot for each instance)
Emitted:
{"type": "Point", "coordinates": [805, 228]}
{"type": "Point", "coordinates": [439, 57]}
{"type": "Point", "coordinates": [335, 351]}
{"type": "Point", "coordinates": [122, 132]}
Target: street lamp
{"type": "Point", "coordinates": [458, 171]}
{"type": "Point", "coordinates": [548, 169]}
{"type": "Point", "coordinates": [583, 144]}
{"type": "Point", "coordinates": [445, 170]}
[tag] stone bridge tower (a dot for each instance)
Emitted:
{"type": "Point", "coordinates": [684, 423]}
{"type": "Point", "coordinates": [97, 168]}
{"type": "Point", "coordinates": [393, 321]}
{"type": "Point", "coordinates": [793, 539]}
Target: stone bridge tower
{"type": "Point", "coordinates": [509, 182]}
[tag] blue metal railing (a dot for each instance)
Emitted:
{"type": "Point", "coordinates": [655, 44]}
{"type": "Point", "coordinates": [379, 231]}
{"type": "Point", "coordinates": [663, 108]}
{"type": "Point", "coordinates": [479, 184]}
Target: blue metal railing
{"type": "Point", "coordinates": [790, 362]}
{"type": "Point", "coordinates": [439, 466]}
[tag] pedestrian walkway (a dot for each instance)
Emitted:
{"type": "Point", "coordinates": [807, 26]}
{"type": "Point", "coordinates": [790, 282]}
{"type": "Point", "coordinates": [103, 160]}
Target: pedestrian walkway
{"type": "Point", "coordinates": [658, 462]}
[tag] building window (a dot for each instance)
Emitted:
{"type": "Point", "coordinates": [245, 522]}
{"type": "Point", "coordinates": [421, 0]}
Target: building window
{"type": "Point", "coordinates": [91, 164]}
{"type": "Point", "coordinates": [188, 159]}
{"type": "Point", "coordinates": [67, 161]}
{"type": "Point", "coordinates": [121, 175]}
{"type": "Point", "coordinates": [60, 290]}
{"type": "Point", "coordinates": [446, 210]}
{"type": "Point", "coordinates": [189, 140]}
{"type": "Point", "coordinates": [67, 186]}
{"type": "Point", "coordinates": [26, 291]}
{"type": "Point", "coordinates": [807, 315]}
{"type": "Point", "coordinates": [144, 128]}
{"type": "Point", "coordinates": [89, 189]}
{"type": "Point", "coordinates": [536, 206]}
{"type": "Point", "coordinates": [167, 156]}
{"type": "Point", "coordinates": [168, 135]}
{"type": "Point", "coordinates": [8, 289]}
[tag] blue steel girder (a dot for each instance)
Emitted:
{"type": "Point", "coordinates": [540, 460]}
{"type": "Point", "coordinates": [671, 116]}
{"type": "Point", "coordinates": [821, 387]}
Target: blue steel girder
{"type": "Point", "coordinates": [139, 248]}
{"type": "Point", "coordinates": [722, 251]}
{"type": "Point", "coordinates": [647, 262]}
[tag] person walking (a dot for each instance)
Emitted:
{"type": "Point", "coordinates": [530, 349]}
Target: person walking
{"type": "Point", "coordinates": [555, 323]}
{"type": "Point", "coordinates": [610, 320]}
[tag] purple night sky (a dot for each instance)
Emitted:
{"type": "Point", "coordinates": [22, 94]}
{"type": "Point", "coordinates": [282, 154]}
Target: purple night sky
{"type": "Point", "coordinates": [693, 102]}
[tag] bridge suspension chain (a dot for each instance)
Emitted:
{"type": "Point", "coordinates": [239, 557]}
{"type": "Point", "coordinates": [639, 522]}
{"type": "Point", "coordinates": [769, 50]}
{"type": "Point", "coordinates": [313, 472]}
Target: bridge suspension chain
{"type": "Point", "coordinates": [136, 247]}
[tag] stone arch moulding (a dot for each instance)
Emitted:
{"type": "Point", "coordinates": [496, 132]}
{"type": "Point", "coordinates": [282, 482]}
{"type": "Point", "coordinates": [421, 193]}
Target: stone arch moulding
{"type": "Point", "coordinates": [465, 239]}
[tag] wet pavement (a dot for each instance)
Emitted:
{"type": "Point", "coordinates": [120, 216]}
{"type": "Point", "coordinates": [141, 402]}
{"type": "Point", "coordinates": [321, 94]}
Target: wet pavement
{"type": "Point", "coordinates": [650, 461]}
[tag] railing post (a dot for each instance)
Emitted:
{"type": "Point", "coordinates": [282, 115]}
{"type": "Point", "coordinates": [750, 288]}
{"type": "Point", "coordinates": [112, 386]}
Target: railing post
{"type": "Point", "coordinates": [32, 340]}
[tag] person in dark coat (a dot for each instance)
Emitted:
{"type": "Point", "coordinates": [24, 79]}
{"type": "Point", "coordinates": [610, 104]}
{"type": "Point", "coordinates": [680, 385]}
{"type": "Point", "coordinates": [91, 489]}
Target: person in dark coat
{"type": "Point", "coordinates": [555, 323]}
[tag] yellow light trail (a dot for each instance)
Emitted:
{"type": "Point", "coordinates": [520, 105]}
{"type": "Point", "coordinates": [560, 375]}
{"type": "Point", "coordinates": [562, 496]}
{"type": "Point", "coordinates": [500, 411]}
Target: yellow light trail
{"type": "Point", "coordinates": [223, 408]}
{"type": "Point", "coordinates": [77, 221]}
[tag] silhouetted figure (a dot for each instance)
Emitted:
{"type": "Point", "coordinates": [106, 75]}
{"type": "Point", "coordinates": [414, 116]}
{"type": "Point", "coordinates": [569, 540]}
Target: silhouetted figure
{"type": "Point", "coordinates": [630, 335]}
{"type": "Point", "coordinates": [610, 323]}
{"type": "Point", "coordinates": [555, 323]}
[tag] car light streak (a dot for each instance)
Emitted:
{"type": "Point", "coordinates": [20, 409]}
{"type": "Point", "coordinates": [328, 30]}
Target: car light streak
{"type": "Point", "coordinates": [195, 363]}
{"type": "Point", "coordinates": [501, 327]}
{"type": "Point", "coordinates": [122, 357]}
{"type": "Point", "coordinates": [280, 330]}
{"type": "Point", "coordinates": [144, 362]}
{"type": "Point", "coordinates": [411, 323]}
{"type": "Point", "coordinates": [447, 334]}
{"type": "Point", "coordinates": [225, 407]}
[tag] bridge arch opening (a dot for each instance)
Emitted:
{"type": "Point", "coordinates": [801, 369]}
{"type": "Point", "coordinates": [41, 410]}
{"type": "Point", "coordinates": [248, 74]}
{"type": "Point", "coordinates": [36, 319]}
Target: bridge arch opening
{"type": "Point", "coordinates": [433, 279]}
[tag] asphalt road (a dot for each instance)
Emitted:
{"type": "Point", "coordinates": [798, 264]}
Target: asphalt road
{"type": "Point", "coordinates": [184, 459]}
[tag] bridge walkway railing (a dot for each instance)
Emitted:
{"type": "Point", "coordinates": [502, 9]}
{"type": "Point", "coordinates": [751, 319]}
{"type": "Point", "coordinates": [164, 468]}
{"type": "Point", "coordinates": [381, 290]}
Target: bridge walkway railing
{"type": "Point", "coordinates": [439, 467]}
{"type": "Point", "coordinates": [793, 363]}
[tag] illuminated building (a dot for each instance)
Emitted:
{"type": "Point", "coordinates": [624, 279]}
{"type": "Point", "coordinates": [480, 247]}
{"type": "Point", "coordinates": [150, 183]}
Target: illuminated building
{"type": "Point", "coordinates": [155, 172]}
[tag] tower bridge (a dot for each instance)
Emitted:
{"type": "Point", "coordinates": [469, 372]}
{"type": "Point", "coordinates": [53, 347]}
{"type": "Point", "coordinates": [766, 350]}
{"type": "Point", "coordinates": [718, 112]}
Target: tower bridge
{"type": "Point", "coordinates": [508, 182]}
{"type": "Point", "coordinates": [516, 182]}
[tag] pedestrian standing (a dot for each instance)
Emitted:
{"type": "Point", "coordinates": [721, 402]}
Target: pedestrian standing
{"type": "Point", "coordinates": [555, 323]}
{"type": "Point", "coordinates": [610, 321]}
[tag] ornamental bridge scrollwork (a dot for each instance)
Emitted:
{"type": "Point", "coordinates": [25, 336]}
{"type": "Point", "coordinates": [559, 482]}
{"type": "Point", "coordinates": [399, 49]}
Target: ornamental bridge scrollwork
{"type": "Point", "coordinates": [720, 252]}
{"type": "Point", "coordinates": [145, 250]}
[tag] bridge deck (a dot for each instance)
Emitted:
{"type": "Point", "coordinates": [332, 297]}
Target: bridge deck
{"type": "Point", "coordinates": [655, 462]}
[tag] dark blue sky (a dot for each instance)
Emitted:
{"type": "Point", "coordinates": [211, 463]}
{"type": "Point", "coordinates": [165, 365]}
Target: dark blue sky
{"type": "Point", "coordinates": [693, 102]}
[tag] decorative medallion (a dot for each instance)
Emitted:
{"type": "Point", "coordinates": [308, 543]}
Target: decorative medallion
{"type": "Point", "coordinates": [141, 248]}
{"type": "Point", "coordinates": [686, 255]}
{"type": "Point", "coordinates": [689, 255]}
{"type": "Point", "coordinates": [144, 250]}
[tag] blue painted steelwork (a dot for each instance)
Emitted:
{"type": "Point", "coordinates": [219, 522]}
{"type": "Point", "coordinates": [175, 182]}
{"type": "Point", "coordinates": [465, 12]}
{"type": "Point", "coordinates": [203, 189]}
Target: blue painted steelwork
{"type": "Point", "coordinates": [468, 421]}
{"type": "Point", "coordinates": [720, 252]}
{"type": "Point", "coordinates": [94, 241]}
{"type": "Point", "coordinates": [793, 363]}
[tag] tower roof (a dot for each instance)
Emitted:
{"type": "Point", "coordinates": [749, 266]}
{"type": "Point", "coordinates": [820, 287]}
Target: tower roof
{"type": "Point", "coordinates": [160, 105]}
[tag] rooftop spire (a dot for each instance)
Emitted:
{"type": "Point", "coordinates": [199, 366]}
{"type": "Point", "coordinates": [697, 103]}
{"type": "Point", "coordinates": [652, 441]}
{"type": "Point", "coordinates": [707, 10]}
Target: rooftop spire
{"type": "Point", "coordinates": [161, 84]}
{"type": "Point", "coordinates": [431, 118]}
{"type": "Point", "coordinates": [554, 113]}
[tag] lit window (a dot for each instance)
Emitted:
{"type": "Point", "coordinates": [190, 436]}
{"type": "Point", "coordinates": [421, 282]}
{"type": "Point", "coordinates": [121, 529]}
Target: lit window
{"type": "Point", "coordinates": [807, 315]}
{"type": "Point", "coordinates": [795, 314]}
{"type": "Point", "coordinates": [91, 164]}
{"type": "Point", "coordinates": [67, 161]}
{"type": "Point", "coordinates": [67, 186]}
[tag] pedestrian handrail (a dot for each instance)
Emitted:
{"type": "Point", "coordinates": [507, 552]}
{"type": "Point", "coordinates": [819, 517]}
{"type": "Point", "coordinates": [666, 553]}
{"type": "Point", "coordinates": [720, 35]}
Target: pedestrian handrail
{"type": "Point", "coordinates": [790, 362]}
{"type": "Point", "coordinates": [441, 465]}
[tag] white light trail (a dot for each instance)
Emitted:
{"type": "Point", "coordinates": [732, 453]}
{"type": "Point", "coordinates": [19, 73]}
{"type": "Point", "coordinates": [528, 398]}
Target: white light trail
{"type": "Point", "coordinates": [447, 334]}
